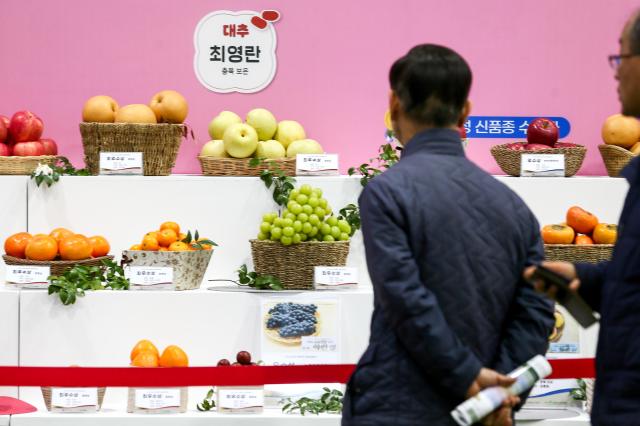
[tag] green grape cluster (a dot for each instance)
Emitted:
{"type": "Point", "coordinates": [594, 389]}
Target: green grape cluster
{"type": "Point", "coordinates": [308, 217]}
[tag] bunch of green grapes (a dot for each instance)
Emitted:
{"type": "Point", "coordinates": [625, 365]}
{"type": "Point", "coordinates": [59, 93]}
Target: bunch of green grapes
{"type": "Point", "coordinates": [308, 217]}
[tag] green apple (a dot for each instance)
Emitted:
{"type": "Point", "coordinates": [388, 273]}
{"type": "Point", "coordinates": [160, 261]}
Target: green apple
{"type": "Point", "coordinates": [240, 140]}
{"type": "Point", "coordinates": [270, 149]}
{"type": "Point", "coordinates": [221, 122]}
{"type": "Point", "coordinates": [264, 122]}
{"type": "Point", "coordinates": [289, 131]}
{"type": "Point", "coordinates": [214, 149]}
{"type": "Point", "coordinates": [304, 146]}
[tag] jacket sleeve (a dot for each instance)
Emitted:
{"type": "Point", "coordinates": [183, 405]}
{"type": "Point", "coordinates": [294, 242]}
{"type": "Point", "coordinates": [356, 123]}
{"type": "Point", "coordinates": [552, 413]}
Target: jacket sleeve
{"type": "Point", "coordinates": [406, 303]}
{"type": "Point", "coordinates": [591, 280]}
{"type": "Point", "coordinates": [530, 317]}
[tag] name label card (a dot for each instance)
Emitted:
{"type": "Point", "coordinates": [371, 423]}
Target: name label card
{"type": "Point", "coordinates": [121, 163]}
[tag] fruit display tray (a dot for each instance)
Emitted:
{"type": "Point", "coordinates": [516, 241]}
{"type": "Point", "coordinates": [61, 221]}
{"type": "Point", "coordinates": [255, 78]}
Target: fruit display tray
{"type": "Point", "coordinates": [212, 166]}
{"type": "Point", "coordinates": [58, 267]}
{"type": "Point", "coordinates": [615, 158]}
{"type": "Point", "coordinates": [509, 160]}
{"type": "Point", "coordinates": [24, 165]}
{"type": "Point", "coordinates": [593, 253]}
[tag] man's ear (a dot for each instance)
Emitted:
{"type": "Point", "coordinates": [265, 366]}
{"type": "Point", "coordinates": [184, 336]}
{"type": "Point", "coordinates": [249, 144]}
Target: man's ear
{"type": "Point", "coordinates": [466, 110]}
{"type": "Point", "coordinates": [394, 108]}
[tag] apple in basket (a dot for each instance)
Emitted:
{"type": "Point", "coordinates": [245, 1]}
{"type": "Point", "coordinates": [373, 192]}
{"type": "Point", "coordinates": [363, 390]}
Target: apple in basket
{"type": "Point", "coordinates": [26, 149]}
{"type": "Point", "coordinates": [3, 132]}
{"type": "Point", "coordinates": [5, 150]}
{"type": "Point", "coordinates": [565, 145]}
{"type": "Point", "coordinates": [25, 126]}
{"type": "Point", "coordinates": [515, 146]}
{"type": "Point", "coordinates": [536, 147]}
{"type": "Point", "coordinates": [50, 147]}
{"type": "Point", "coordinates": [542, 131]}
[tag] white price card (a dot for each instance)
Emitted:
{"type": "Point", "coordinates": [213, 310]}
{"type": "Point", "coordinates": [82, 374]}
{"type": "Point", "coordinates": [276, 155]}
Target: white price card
{"type": "Point", "coordinates": [74, 397]}
{"type": "Point", "coordinates": [151, 399]}
{"type": "Point", "coordinates": [26, 276]}
{"type": "Point", "coordinates": [546, 165]}
{"type": "Point", "coordinates": [319, 344]}
{"type": "Point", "coordinates": [317, 165]}
{"type": "Point", "coordinates": [240, 398]}
{"type": "Point", "coordinates": [121, 163]}
{"type": "Point", "coordinates": [335, 277]}
{"type": "Point", "coordinates": [150, 277]}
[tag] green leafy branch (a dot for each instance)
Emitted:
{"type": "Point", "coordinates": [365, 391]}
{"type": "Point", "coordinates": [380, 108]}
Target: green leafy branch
{"type": "Point", "coordinates": [195, 241]}
{"type": "Point", "coordinates": [62, 167]}
{"type": "Point", "coordinates": [351, 213]}
{"type": "Point", "coordinates": [275, 177]}
{"type": "Point", "coordinates": [257, 281]}
{"type": "Point", "coordinates": [77, 280]}
{"type": "Point", "coordinates": [330, 402]}
{"type": "Point", "coordinates": [388, 155]}
{"type": "Point", "coordinates": [207, 403]}
{"type": "Point", "coordinates": [580, 393]}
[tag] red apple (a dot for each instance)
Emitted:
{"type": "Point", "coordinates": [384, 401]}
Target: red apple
{"type": "Point", "coordinates": [565, 145]}
{"type": "Point", "coordinates": [542, 131]}
{"type": "Point", "coordinates": [5, 151]}
{"type": "Point", "coordinates": [515, 146]}
{"type": "Point", "coordinates": [536, 147]}
{"type": "Point", "coordinates": [50, 146]}
{"type": "Point", "coordinates": [26, 149]}
{"type": "Point", "coordinates": [5, 120]}
{"type": "Point", "coordinates": [25, 126]}
{"type": "Point", "coordinates": [3, 132]}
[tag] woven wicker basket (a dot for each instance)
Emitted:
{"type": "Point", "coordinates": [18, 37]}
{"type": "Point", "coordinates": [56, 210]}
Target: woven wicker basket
{"type": "Point", "coordinates": [509, 160]}
{"type": "Point", "coordinates": [593, 253]}
{"type": "Point", "coordinates": [189, 267]}
{"type": "Point", "coordinates": [159, 144]}
{"type": "Point", "coordinates": [212, 166]}
{"type": "Point", "coordinates": [591, 384]}
{"type": "Point", "coordinates": [131, 403]}
{"type": "Point", "coordinates": [46, 395]}
{"type": "Point", "coordinates": [58, 267]}
{"type": "Point", "coordinates": [24, 165]}
{"type": "Point", "coordinates": [615, 158]}
{"type": "Point", "coordinates": [294, 265]}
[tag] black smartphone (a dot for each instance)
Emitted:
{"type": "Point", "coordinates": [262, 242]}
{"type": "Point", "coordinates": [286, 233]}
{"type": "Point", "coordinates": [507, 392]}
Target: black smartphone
{"type": "Point", "coordinates": [573, 302]}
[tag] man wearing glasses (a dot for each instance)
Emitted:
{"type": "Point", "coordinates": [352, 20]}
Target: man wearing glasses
{"type": "Point", "coordinates": [613, 288]}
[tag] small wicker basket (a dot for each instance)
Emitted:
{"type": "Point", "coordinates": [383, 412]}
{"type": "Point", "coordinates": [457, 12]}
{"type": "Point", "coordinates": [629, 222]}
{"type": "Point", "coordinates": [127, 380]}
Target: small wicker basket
{"type": "Point", "coordinates": [615, 158]}
{"type": "Point", "coordinates": [509, 160]}
{"type": "Point", "coordinates": [213, 166]}
{"type": "Point", "coordinates": [159, 144]}
{"type": "Point", "coordinates": [294, 264]}
{"type": "Point", "coordinates": [58, 267]}
{"type": "Point", "coordinates": [131, 403]}
{"type": "Point", "coordinates": [24, 165]}
{"type": "Point", "coordinates": [47, 396]}
{"type": "Point", "coordinates": [593, 253]}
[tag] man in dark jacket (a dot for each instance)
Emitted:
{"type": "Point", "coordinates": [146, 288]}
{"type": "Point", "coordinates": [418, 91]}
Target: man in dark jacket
{"type": "Point", "coordinates": [613, 288]}
{"type": "Point", "coordinates": [446, 246]}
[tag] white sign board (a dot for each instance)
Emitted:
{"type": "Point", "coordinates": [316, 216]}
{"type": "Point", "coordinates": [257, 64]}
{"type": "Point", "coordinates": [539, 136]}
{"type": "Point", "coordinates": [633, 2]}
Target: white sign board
{"type": "Point", "coordinates": [27, 276]}
{"type": "Point", "coordinates": [546, 165]}
{"type": "Point", "coordinates": [317, 165]}
{"type": "Point", "coordinates": [121, 163]}
{"type": "Point", "coordinates": [236, 51]}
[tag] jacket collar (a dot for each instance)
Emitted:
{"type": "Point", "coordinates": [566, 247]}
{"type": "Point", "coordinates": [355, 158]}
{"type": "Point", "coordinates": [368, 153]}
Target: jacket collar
{"type": "Point", "coordinates": [632, 171]}
{"type": "Point", "coordinates": [435, 141]}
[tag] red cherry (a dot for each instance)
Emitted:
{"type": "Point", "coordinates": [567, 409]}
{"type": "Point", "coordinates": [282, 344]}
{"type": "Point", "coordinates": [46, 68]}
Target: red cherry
{"type": "Point", "coordinates": [271, 15]}
{"type": "Point", "coordinates": [259, 22]}
{"type": "Point", "coordinates": [224, 363]}
{"type": "Point", "coordinates": [243, 357]}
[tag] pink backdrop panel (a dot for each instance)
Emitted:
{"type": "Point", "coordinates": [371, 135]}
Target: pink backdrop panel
{"type": "Point", "coordinates": [529, 58]}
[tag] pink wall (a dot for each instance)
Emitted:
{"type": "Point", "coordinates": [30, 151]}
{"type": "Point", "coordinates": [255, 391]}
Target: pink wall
{"type": "Point", "coordinates": [529, 58]}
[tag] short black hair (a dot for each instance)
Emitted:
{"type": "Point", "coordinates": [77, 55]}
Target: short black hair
{"type": "Point", "coordinates": [634, 35]}
{"type": "Point", "coordinates": [432, 83]}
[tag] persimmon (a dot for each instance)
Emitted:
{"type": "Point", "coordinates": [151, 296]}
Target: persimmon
{"type": "Point", "coordinates": [60, 233]}
{"type": "Point", "coordinates": [99, 246]}
{"type": "Point", "coordinates": [75, 247]}
{"type": "Point", "coordinates": [605, 233]}
{"type": "Point", "coordinates": [149, 243]}
{"type": "Point", "coordinates": [558, 234]}
{"type": "Point", "coordinates": [583, 240]}
{"type": "Point", "coordinates": [143, 345]}
{"type": "Point", "coordinates": [145, 359]}
{"type": "Point", "coordinates": [174, 356]}
{"type": "Point", "coordinates": [581, 220]}
{"type": "Point", "coordinates": [16, 244]}
{"type": "Point", "coordinates": [41, 248]}
{"type": "Point", "coordinates": [166, 237]}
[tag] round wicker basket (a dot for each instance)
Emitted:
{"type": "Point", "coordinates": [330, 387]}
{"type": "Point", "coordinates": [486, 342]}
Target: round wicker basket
{"type": "Point", "coordinates": [24, 165]}
{"type": "Point", "coordinates": [212, 166]}
{"type": "Point", "coordinates": [58, 267]}
{"type": "Point", "coordinates": [509, 160]}
{"type": "Point", "coordinates": [294, 264]}
{"type": "Point", "coordinates": [615, 158]}
{"type": "Point", "coordinates": [593, 253]}
{"type": "Point", "coordinates": [46, 395]}
{"type": "Point", "coordinates": [159, 144]}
